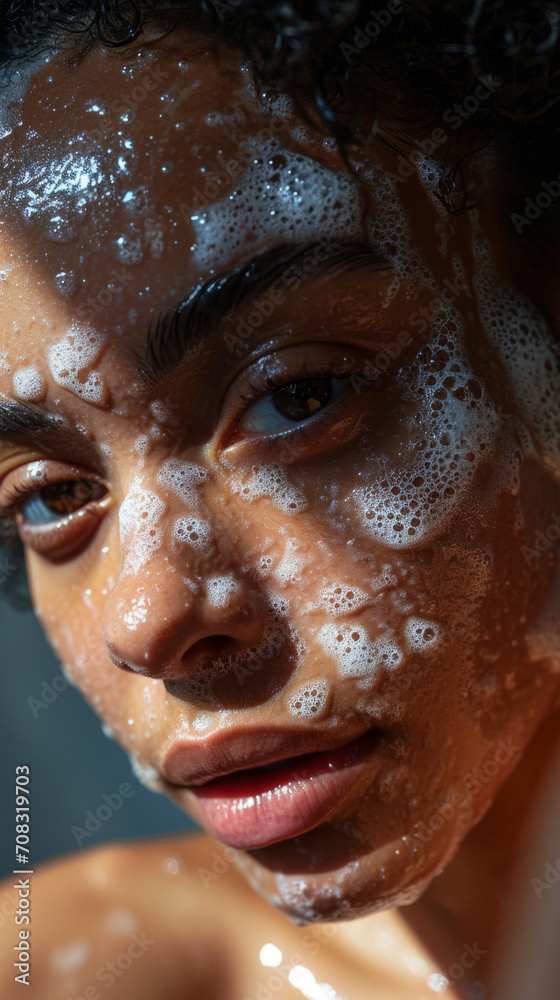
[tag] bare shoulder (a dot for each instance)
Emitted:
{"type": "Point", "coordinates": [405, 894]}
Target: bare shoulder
{"type": "Point", "coordinates": [145, 919]}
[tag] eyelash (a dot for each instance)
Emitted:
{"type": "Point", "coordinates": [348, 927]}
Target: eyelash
{"type": "Point", "coordinates": [272, 383]}
{"type": "Point", "coordinates": [268, 385]}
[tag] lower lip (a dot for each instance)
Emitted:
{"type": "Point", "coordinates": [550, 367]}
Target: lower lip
{"type": "Point", "coordinates": [259, 807]}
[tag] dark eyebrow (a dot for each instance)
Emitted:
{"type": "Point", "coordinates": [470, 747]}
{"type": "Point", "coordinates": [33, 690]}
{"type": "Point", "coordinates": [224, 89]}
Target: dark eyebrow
{"type": "Point", "coordinates": [176, 333]}
{"type": "Point", "coordinates": [31, 422]}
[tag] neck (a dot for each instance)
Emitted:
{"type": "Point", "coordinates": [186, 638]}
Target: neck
{"type": "Point", "coordinates": [467, 904]}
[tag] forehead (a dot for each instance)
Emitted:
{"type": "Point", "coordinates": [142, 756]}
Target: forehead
{"type": "Point", "coordinates": [150, 170]}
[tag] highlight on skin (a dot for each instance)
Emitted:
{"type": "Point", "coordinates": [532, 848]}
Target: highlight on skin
{"type": "Point", "coordinates": [240, 524]}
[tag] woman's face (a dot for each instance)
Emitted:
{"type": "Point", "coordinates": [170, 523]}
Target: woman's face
{"type": "Point", "coordinates": [310, 517]}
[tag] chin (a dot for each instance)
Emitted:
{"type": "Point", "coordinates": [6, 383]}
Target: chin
{"type": "Point", "coordinates": [382, 880]}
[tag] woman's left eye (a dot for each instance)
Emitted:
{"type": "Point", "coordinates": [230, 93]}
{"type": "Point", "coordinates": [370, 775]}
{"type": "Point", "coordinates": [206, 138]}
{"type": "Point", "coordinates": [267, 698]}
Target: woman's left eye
{"type": "Point", "coordinates": [291, 403]}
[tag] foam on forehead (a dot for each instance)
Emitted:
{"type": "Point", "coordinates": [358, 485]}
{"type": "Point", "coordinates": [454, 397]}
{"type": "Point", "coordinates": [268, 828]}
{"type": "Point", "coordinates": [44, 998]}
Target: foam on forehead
{"type": "Point", "coordinates": [29, 384]}
{"type": "Point", "coordinates": [71, 359]}
{"type": "Point", "coordinates": [282, 195]}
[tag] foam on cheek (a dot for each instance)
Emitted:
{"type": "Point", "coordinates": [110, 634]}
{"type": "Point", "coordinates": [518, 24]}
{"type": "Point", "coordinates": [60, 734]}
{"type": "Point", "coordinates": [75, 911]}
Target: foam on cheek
{"type": "Point", "coordinates": [453, 427]}
{"type": "Point", "coordinates": [529, 351]}
{"type": "Point", "coordinates": [356, 654]}
{"type": "Point", "coordinates": [183, 478]}
{"type": "Point", "coordinates": [71, 359]}
{"type": "Point", "coordinates": [339, 600]}
{"type": "Point", "coordinates": [4, 363]}
{"type": "Point", "coordinates": [281, 193]}
{"type": "Point", "coordinates": [310, 700]}
{"type": "Point", "coordinates": [29, 384]}
{"type": "Point", "coordinates": [271, 481]}
{"type": "Point", "coordinates": [421, 636]}
{"type": "Point", "coordinates": [140, 534]}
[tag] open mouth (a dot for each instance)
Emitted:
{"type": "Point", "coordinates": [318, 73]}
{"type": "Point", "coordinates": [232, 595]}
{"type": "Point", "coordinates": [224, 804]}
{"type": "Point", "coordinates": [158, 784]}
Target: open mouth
{"type": "Point", "coordinates": [261, 805]}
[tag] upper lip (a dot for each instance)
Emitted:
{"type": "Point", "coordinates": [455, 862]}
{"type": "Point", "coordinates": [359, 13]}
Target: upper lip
{"type": "Point", "coordinates": [195, 762]}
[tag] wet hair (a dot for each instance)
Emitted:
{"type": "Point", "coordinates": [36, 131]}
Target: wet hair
{"type": "Point", "coordinates": [383, 70]}
{"type": "Point", "coordinates": [410, 61]}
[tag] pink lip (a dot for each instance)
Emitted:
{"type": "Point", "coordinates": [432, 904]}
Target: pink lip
{"type": "Point", "coordinates": [274, 798]}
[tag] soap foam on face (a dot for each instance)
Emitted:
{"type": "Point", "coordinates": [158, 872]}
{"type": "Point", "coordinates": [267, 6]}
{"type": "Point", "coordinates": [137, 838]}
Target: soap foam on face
{"type": "Point", "coordinates": [193, 531]}
{"type": "Point", "coordinates": [140, 533]}
{"type": "Point", "coordinates": [221, 589]}
{"type": "Point", "coordinates": [271, 481]}
{"type": "Point", "coordinates": [356, 654]}
{"type": "Point", "coordinates": [29, 384]}
{"type": "Point", "coordinates": [528, 349]}
{"type": "Point", "coordinates": [282, 195]}
{"type": "Point", "coordinates": [70, 362]}
{"type": "Point", "coordinates": [310, 700]}
{"type": "Point", "coordinates": [183, 478]}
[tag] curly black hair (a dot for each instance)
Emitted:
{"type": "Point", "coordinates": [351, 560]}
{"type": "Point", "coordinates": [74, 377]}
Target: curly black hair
{"type": "Point", "coordinates": [372, 60]}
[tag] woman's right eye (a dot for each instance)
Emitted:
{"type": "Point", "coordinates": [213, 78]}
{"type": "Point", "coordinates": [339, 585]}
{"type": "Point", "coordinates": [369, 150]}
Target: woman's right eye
{"type": "Point", "coordinates": [57, 518]}
{"type": "Point", "coordinates": [57, 500]}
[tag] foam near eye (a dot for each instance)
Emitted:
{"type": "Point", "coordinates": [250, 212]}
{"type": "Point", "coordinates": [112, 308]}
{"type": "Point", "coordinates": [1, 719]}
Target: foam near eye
{"type": "Point", "coordinates": [271, 481]}
{"type": "Point", "coordinates": [140, 534]}
{"type": "Point", "coordinates": [183, 478]}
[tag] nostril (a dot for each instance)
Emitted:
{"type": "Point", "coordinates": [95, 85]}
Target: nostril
{"type": "Point", "coordinates": [211, 647]}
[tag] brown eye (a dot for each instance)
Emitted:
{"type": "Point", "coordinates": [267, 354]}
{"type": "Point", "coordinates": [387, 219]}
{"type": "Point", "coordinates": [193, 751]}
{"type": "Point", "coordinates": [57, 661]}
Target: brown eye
{"type": "Point", "coordinates": [58, 500]}
{"type": "Point", "coordinates": [291, 403]}
{"type": "Point", "coordinates": [301, 399]}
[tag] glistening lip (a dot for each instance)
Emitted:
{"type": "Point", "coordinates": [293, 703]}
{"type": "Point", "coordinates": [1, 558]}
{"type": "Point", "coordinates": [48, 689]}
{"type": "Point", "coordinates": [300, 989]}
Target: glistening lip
{"type": "Point", "coordinates": [257, 806]}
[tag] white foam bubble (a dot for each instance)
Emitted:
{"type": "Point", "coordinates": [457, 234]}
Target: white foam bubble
{"type": "Point", "coordinates": [140, 533]}
{"type": "Point", "coordinates": [29, 384]}
{"type": "Point", "coordinates": [309, 701]}
{"type": "Point", "coordinates": [138, 613]}
{"type": "Point", "coordinates": [421, 635]}
{"type": "Point", "coordinates": [70, 362]}
{"type": "Point", "coordinates": [282, 193]}
{"type": "Point", "coordinates": [192, 531]}
{"type": "Point", "coordinates": [183, 478]}
{"type": "Point", "coordinates": [355, 653]}
{"type": "Point", "coordinates": [339, 599]}
{"type": "Point", "coordinates": [529, 350]}
{"type": "Point", "coordinates": [221, 589]}
{"type": "Point", "coordinates": [271, 481]}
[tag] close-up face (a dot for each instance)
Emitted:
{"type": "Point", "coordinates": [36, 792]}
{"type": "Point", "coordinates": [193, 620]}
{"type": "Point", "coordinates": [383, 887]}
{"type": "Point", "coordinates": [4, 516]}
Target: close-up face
{"type": "Point", "coordinates": [285, 478]}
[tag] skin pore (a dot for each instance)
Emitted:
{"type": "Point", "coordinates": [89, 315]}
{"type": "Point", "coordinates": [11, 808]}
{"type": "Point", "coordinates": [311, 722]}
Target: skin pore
{"type": "Point", "coordinates": [234, 572]}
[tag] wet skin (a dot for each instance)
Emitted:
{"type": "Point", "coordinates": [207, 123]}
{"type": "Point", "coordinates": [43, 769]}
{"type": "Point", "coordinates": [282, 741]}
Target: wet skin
{"type": "Point", "coordinates": [179, 631]}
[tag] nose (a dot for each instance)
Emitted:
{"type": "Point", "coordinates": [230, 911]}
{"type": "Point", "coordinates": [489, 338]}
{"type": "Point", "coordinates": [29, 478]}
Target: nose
{"type": "Point", "coordinates": [161, 624]}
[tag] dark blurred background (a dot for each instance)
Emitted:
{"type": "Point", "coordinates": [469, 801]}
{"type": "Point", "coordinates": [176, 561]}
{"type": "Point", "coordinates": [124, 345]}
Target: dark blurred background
{"type": "Point", "coordinates": [72, 762]}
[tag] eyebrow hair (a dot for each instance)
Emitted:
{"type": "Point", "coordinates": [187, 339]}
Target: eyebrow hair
{"type": "Point", "coordinates": [176, 333]}
{"type": "Point", "coordinates": [33, 423]}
